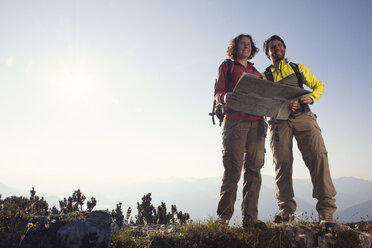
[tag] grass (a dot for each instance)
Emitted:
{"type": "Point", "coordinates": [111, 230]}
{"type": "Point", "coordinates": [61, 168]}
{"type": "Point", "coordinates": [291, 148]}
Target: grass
{"type": "Point", "coordinates": [212, 234]}
{"type": "Point", "coordinates": [129, 238]}
{"type": "Point", "coordinates": [205, 235]}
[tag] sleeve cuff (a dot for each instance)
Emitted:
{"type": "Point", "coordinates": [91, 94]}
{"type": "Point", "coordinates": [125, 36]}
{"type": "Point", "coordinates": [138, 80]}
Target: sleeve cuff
{"type": "Point", "coordinates": [313, 98]}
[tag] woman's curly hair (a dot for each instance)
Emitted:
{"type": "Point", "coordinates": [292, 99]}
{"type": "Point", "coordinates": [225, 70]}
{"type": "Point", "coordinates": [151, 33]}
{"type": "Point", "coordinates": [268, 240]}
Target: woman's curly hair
{"type": "Point", "coordinates": [233, 46]}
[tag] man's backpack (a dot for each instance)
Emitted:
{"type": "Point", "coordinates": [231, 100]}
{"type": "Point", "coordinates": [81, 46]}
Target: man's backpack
{"type": "Point", "coordinates": [269, 74]}
{"type": "Point", "coordinates": [219, 110]}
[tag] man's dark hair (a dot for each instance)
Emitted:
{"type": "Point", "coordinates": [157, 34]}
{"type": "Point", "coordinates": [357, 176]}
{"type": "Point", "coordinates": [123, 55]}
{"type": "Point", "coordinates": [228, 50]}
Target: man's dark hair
{"type": "Point", "coordinates": [233, 47]}
{"type": "Point", "coordinates": [266, 44]}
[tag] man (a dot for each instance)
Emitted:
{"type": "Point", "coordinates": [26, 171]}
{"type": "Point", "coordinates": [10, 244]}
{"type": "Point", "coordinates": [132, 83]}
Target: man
{"type": "Point", "coordinates": [303, 126]}
{"type": "Point", "coordinates": [243, 137]}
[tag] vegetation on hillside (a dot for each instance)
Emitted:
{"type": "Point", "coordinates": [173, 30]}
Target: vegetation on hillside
{"type": "Point", "coordinates": [25, 222]}
{"type": "Point", "coordinates": [20, 216]}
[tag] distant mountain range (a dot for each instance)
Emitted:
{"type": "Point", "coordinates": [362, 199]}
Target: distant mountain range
{"type": "Point", "coordinates": [199, 197]}
{"type": "Point", "coordinates": [359, 212]}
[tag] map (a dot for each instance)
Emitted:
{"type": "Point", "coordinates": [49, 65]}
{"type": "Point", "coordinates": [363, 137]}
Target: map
{"type": "Point", "coordinates": [264, 98]}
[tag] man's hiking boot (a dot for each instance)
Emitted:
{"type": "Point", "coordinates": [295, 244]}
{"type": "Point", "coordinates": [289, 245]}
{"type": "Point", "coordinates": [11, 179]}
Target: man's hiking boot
{"type": "Point", "coordinates": [326, 219]}
{"type": "Point", "coordinates": [284, 216]}
{"type": "Point", "coordinates": [250, 223]}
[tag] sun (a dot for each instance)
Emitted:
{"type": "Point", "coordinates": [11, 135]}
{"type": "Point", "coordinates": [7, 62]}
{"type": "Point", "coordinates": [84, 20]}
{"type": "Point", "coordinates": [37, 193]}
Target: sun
{"type": "Point", "coordinates": [76, 85]}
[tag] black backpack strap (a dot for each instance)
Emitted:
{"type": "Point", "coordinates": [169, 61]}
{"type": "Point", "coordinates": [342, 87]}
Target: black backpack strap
{"type": "Point", "coordinates": [269, 74]}
{"type": "Point", "coordinates": [300, 79]}
{"type": "Point", "coordinates": [230, 68]}
{"type": "Point", "coordinates": [254, 68]}
{"type": "Point", "coordinates": [298, 74]}
{"type": "Point", "coordinates": [228, 77]}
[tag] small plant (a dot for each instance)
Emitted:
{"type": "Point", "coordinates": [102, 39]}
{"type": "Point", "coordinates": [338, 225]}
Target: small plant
{"type": "Point", "coordinates": [28, 228]}
{"type": "Point", "coordinates": [183, 217]}
{"type": "Point", "coordinates": [75, 203]}
{"type": "Point", "coordinates": [15, 211]}
{"type": "Point", "coordinates": [128, 218]}
{"type": "Point", "coordinates": [149, 215]}
{"type": "Point", "coordinates": [146, 211]}
{"type": "Point", "coordinates": [117, 215]}
{"type": "Point", "coordinates": [91, 204]}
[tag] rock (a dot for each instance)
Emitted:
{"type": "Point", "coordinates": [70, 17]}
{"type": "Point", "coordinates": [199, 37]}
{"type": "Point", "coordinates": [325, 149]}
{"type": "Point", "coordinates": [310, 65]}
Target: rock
{"type": "Point", "coordinates": [309, 235]}
{"type": "Point", "coordinates": [114, 227]}
{"type": "Point", "coordinates": [94, 231]}
{"type": "Point", "coordinates": [325, 241]}
{"type": "Point", "coordinates": [365, 240]}
{"type": "Point", "coordinates": [302, 234]}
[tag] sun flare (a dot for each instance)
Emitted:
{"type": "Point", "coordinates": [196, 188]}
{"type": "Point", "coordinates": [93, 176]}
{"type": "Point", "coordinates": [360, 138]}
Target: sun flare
{"type": "Point", "coordinates": [77, 86]}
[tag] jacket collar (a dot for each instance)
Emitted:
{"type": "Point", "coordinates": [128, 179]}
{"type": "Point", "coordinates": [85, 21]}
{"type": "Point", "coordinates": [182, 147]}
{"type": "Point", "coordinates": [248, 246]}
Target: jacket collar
{"type": "Point", "coordinates": [282, 62]}
{"type": "Point", "coordinates": [249, 64]}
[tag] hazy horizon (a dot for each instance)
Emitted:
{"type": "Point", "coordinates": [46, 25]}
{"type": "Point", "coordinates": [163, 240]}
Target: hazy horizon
{"type": "Point", "coordinates": [199, 197]}
{"type": "Point", "coordinates": [67, 186]}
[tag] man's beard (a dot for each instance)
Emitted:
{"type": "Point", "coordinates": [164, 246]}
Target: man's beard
{"type": "Point", "coordinates": [279, 57]}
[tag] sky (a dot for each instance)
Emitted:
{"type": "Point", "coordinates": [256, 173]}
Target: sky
{"type": "Point", "coordinates": [100, 91]}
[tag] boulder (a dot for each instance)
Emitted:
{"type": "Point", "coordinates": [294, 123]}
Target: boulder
{"type": "Point", "coordinates": [311, 236]}
{"type": "Point", "coordinates": [92, 232]}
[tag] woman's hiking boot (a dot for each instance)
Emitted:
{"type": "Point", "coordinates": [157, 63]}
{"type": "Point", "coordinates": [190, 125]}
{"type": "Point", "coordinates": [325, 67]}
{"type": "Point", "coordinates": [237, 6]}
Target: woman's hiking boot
{"type": "Point", "coordinates": [284, 216]}
{"type": "Point", "coordinates": [248, 222]}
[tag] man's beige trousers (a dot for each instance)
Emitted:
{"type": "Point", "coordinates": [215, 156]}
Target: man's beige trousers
{"type": "Point", "coordinates": [311, 145]}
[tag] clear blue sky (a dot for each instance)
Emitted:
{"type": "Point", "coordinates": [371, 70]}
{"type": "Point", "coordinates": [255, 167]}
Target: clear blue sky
{"type": "Point", "coordinates": [108, 90]}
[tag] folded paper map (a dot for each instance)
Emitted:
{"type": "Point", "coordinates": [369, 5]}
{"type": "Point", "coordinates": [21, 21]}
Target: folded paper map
{"type": "Point", "coordinates": [265, 98]}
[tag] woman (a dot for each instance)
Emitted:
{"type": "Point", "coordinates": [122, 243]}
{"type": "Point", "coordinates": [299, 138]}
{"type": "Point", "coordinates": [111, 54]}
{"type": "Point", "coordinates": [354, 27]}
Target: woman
{"type": "Point", "coordinates": [243, 137]}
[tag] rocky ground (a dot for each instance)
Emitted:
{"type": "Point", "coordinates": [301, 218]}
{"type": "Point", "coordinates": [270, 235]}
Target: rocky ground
{"type": "Point", "coordinates": [94, 230]}
{"type": "Point", "coordinates": [297, 234]}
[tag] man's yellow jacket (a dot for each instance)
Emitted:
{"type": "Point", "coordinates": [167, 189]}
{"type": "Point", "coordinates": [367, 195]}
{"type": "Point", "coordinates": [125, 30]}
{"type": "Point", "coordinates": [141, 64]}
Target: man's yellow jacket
{"type": "Point", "coordinates": [284, 70]}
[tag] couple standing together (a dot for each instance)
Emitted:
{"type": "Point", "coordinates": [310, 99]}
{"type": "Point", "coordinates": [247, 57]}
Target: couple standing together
{"type": "Point", "coordinates": [243, 137]}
